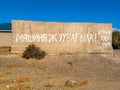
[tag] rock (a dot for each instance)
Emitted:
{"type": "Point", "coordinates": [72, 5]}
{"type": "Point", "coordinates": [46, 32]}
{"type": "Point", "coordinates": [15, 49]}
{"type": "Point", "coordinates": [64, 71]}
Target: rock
{"type": "Point", "coordinates": [7, 86]}
{"type": "Point", "coordinates": [71, 82]}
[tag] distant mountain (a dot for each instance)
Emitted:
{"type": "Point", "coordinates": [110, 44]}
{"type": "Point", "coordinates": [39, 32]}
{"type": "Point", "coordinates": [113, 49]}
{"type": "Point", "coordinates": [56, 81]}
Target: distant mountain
{"type": "Point", "coordinates": [5, 26]}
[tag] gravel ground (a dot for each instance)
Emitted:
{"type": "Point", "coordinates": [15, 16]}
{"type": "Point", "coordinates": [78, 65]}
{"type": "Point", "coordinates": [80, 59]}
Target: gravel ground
{"type": "Point", "coordinates": [100, 71]}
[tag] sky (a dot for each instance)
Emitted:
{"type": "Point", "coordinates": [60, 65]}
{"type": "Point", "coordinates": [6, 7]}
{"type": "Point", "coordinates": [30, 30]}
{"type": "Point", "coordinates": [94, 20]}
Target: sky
{"type": "Point", "coordinates": [100, 11]}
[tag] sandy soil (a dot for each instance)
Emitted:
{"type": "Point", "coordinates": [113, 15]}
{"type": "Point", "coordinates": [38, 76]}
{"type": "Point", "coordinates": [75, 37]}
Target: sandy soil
{"type": "Point", "coordinates": [100, 71]}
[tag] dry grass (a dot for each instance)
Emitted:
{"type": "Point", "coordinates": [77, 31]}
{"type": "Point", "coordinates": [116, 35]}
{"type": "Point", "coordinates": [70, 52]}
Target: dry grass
{"type": "Point", "coordinates": [20, 74]}
{"type": "Point", "coordinates": [49, 85]}
{"type": "Point", "coordinates": [32, 65]}
{"type": "Point", "coordinates": [70, 63]}
{"type": "Point", "coordinates": [2, 81]}
{"type": "Point", "coordinates": [22, 79]}
{"type": "Point", "coordinates": [19, 87]}
{"type": "Point", "coordinates": [2, 74]}
{"type": "Point", "coordinates": [49, 77]}
{"type": "Point", "coordinates": [42, 68]}
{"type": "Point", "coordinates": [16, 80]}
{"type": "Point", "coordinates": [12, 65]}
{"type": "Point", "coordinates": [7, 73]}
{"type": "Point", "coordinates": [76, 85]}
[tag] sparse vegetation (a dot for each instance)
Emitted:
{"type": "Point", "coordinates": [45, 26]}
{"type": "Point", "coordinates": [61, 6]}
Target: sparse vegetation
{"type": "Point", "coordinates": [70, 63]}
{"type": "Point", "coordinates": [2, 74]}
{"type": "Point", "coordinates": [13, 65]}
{"type": "Point", "coordinates": [33, 52]}
{"type": "Point", "coordinates": [22, 79]}
{"type": "Point", "coordinates": [49, 85]}
{"type": "Point", "coordinates": [116, 39]}
{"type": "Point", "coordinates": [52, 73]}
{"type": "Point", "coordinates": [19, 87]}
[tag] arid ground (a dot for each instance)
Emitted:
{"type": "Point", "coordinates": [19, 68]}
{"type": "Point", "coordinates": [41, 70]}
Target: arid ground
{"type": "Point", "coordinates": [93, 71]}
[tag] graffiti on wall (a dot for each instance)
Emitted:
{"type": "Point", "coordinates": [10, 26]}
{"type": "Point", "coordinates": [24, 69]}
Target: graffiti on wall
{"type": "Point", "coordinates": [66, 37]}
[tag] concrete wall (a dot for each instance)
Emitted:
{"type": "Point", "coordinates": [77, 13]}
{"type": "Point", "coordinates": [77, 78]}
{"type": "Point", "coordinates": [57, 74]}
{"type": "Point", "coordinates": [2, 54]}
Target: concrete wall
{"type": "Point", "coordinates": [5, 39]}
{"type": "Point", "coordinates": [91, 37]}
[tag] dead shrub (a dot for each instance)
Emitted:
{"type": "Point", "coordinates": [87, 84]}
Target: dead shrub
{"type": "Point", "coordinates": [33, 52]}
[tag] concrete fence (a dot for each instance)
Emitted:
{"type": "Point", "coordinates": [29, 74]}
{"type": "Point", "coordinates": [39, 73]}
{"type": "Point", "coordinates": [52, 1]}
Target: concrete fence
{"type": "Point", "coordinates": [57, 37]}
{"type": "Point", "coordinates": [5, 38]}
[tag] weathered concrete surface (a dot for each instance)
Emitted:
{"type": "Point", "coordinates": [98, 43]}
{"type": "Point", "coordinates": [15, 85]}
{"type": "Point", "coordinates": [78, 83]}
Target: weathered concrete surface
{"type": "Point", "coordinates": [101, 44]}
{"type": "Point", "coordinates": [5, 39]}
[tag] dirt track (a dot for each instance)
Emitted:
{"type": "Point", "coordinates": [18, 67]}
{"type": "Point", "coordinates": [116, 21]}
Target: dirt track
{"type": "Point", "coordinates": [102, 72]}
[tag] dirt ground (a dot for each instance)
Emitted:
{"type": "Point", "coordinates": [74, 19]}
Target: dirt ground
{"type": "Point", "coordinates": [96, 71]}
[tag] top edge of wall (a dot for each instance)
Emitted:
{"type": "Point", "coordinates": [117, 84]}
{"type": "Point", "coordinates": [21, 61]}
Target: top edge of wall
{"type": "Point", "coordinates": [62, 22]}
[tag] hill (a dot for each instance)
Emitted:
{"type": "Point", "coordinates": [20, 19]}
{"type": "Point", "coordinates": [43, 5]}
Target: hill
{"type": "Point", "coordinates": [5, 26]}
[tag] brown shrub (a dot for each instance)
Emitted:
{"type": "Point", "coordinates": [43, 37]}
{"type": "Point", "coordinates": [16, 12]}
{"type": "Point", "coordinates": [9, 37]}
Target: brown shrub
{"type": "Point", "coordinates": [33, 52]}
